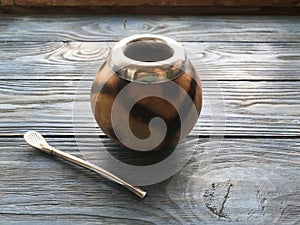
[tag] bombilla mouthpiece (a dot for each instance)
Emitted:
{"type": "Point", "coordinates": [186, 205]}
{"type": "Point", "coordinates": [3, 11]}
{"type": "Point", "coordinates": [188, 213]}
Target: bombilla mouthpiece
{"type": "Point", "coordinates": [36, 140]}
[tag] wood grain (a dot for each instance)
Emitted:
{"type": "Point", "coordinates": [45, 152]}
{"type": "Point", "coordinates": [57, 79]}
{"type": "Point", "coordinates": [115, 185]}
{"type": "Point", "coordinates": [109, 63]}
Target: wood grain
{"type": "Point", "coordinates": [165, 7]}
{"type": "Point", "coordinates": [38, 189]}
{"type": "Point", "coordinates": [151, 10]}
{"type": "Point", "coordinates": [249, 177]}
{"type": "Point", "coordinates": [182, 28]}
{"type": "Point", "coordinates": [6, 2]}
{"type": "Point", "coordinates": [271, 110]}
{"type": "Point", "coordinates": [155, 2]}
{"type": "Point", "coordinates": [47, 106]}
{"type": "Point", "coordinates": [225, 61]}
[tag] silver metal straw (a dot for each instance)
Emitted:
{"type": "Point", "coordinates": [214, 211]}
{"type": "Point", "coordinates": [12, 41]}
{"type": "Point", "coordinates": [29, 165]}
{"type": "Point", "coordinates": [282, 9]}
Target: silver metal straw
{"type": "Point", "coordinates": [37, 141]}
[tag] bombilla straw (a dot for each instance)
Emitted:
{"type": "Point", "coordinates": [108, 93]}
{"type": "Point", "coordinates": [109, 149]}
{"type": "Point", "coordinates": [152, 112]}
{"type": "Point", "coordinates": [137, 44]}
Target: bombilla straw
{"type": "Point", "coordinates": [37, 141]}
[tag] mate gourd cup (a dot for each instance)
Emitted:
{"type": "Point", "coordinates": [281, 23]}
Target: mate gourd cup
{"type": "Point", "coordinates": [147, 95]}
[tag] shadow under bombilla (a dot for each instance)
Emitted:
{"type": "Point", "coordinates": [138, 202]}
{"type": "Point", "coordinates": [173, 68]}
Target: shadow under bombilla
{"type": "Point", "coordinates": [147, 95]}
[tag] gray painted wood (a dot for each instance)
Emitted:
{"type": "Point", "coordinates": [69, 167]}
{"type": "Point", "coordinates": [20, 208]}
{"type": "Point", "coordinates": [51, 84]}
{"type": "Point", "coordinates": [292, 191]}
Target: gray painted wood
{"type": "Point", "coordinates": [263, 173]}
{"type": "Point", "coordinates": [252, 178]}
{"type": "Point", "coordinates": [47, 106]}
{"type": "Point", "coordinates": [226, 61]}
{"type": "Point", "coordinates": [63, 65]}
{"type": "Point", "coordinates": [182, 28]}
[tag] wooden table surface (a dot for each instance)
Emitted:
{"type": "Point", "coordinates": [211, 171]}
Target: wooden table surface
{"type": "Point", "coordinates": [252, 178]}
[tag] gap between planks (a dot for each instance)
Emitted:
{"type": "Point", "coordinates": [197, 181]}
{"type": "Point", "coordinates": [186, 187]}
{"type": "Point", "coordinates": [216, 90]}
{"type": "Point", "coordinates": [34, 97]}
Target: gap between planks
{"type": "Point", "coordinates": [11, 136]}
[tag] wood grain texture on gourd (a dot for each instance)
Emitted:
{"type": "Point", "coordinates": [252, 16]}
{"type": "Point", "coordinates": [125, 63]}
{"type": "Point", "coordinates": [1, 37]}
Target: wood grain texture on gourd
{"type": "Point", "coordinates": [104, 92]}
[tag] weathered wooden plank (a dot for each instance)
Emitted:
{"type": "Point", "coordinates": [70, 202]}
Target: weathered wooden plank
{"type": "Point", "coordinates": [263, 174]}
{"type": "Point", "coordinates": [252, 108]}
{"type": "Point", "coordinates": [153, 2]}
{"type": "Point", "coordinates": [225, 61]}
{"type": "Point", "coordinates": [152, 10]}
{"type": "Point", "coordinates": [6, 2]}
{"type": "Point", "coordinates": [182, 28]}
